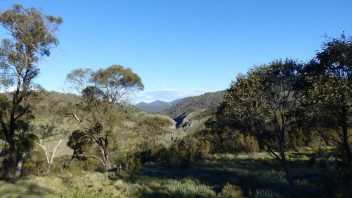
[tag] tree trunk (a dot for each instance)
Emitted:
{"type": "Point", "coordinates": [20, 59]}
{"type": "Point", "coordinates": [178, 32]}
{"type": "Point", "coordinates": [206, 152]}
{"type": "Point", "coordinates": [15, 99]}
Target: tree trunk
{"type": "Point", "coordinates": [284, 163]}
{"type": "Point", "coordinates": [221, 140]}
{"type": "Point", "coordinates": [9, 163]}
{"type": "Point", "coordinates": [287, 171]}
{"type": "Point", "coordinates": [346, 145]}
{"type": "Point", "coordinates": [107, 161]}
{"type": "Point", "coordinates": [20, 162]}
{"type": "Point", "coordinates": [108, 165]}
{"type": "Point", "coordinates": [105, 158]}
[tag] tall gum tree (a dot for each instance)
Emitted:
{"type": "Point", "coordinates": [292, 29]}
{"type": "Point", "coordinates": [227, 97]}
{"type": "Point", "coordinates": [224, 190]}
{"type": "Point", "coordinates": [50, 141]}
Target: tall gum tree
{"type": "Point", "coordinates": [32, 38]}
{"type": "Point", "coordinates": [98, 111]}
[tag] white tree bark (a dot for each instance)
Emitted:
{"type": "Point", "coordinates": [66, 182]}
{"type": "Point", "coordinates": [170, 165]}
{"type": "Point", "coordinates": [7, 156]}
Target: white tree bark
{"type": "Point", "coordinates": [49, 159]}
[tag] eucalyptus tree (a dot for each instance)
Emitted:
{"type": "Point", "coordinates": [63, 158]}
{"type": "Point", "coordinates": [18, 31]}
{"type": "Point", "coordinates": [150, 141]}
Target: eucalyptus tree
{"type": "Point", "coordinates": [265, 103]}
{"type": "Point", "coordinates": [329, 94]}
{"type": "Point", "coordinates": [31, 38]}
{"type": "Point", "coordinates": [98, 110]}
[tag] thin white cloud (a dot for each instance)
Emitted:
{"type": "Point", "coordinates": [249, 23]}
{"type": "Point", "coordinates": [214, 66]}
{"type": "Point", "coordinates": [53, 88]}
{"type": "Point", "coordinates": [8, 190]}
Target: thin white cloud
{"type": "Point", "coordinates": [166, 95]}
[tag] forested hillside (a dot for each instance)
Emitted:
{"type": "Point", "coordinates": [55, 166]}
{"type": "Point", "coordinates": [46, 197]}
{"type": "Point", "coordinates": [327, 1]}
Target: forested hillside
{"type": "Point", "coordinates": [189, 104]}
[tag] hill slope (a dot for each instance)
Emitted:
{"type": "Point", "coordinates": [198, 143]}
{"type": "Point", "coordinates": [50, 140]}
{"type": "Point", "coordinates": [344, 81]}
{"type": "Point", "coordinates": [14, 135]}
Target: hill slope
{"type": "Point", "coordinates": [190, 104]}
{"type": "Point", "coordinates": [155, 106]}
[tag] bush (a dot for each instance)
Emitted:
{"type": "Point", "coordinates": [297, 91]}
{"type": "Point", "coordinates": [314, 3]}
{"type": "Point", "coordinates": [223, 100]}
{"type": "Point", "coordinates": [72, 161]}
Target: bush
{"type": "Point", "coordinates": [155, 123]}
{"type": "Point", "coordinates": [184, 153]}
{"type": "Point", "coordinates": [248, 144]}
{"type": "Point", "coordinates": [237, 142]}
{"type": "Point", "coordinates": [29, 168]}
{"type": "Point", "coordinates": [88, 164]}
{"type": "Point", "coordinates": [152, 154]}
{"type": "Point", "coordinates": [36, 163]}
{"type": "Point", "coordinates": [128, 167]}
{"type": "Point", "coordinates": [171, 188]}
{"type": "Point", "coordinates": [230, 191]}
{"type": "Point", "coordinates": [299, 139]}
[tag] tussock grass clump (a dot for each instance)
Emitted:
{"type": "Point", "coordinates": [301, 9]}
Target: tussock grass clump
{"type": "Point", "coordinates": [186, 187]}
{"type": "Point", "coordinates": [231, 191]}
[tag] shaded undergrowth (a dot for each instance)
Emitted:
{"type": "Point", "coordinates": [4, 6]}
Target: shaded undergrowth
{"type": "Point", "coordinates": [251, 175]}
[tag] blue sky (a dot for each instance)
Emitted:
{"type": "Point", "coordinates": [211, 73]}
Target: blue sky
{"type": "Point", "coordinates": [184, 47]}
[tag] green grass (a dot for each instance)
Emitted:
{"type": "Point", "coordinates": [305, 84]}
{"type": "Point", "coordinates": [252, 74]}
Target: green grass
{"type": "Point", "coordinates": [252, 176]}
{"type": "Point", "coordinates": [99, 185]}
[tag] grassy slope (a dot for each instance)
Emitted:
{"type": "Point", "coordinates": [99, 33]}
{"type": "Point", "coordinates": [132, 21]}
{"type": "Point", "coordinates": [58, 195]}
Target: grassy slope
{"type": "Point", "coordinates": [62, 148]}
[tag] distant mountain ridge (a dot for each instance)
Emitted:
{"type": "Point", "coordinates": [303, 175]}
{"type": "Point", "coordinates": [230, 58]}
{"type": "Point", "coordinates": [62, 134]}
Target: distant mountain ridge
{"type": "Point", "coordinates": [193, 103]}
{"type": "Point", "coordinates": [154, 107]}
{"type": "Point", "coordinates": [186, 105]}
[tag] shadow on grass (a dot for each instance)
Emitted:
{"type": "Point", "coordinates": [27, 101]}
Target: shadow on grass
{"type": "Point", "coordinates": [249, 174]}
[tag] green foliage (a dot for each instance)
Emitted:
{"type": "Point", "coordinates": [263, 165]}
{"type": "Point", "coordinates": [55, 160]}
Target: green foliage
{"type": "Point", "coordinates": [51, 118]}
{"type": "Point", "coordinates": [32, 32]}
{"type": "Point", "coordinates": [4, 102]}
{"type": "Point", "coordinates": [184, 153]}
{"type": "Point", "coordinates": [329, 93]}
{"type": "Point", "coordinates": [234, 141]}
{"type": "Point", "coordinates": [155, 122]}
{"type": "Point", "coordinates": [98, 112]}
{"type": "Point", "coordinates": [109, 84]}
{"type": "Point", "coordinates": [79, 79]}
{"type": "Point", "coordinates": [29, 168]}
{"type": "Point", "coordinates": [265, 103]}
{"type": "Point", "coordinates": [246, 143]}
{"type": "Point", "coordinates": [128, 167]}
{"type": "Point", "coordinates": [229, 176]}
{"type": "Point", "coordinates": [115, 81]}
{"type": "Point", "coordinates": [78, 141]}
{"type": "Point", "coordinates": [184, 188]}
{"type": "Point", "coordinates": [152, 129]}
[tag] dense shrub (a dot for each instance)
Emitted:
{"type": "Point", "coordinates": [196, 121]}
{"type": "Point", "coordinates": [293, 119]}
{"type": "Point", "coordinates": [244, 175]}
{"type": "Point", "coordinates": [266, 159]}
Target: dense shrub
{"type": "Point", "coordinates": [299, 140]}
{"type": "Point", "coordinates": [184, 153]}
{"type": "Point", "coordinates": [87, 164]}
{"type": "Point", "coordinates": [35, 164]}
{"type": "Point", "coordinates": [237, 142]}
{"type": "Point", "coordinates": [127, 167]}
{"type": "Point", "coordinates": [246, 143]}
{"type": "Point", "coordinates": [152, 154]}
{"type": "Point", "coordinates": [30, 168]}
{"type": "Point", "coordinates": [155, 123]}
